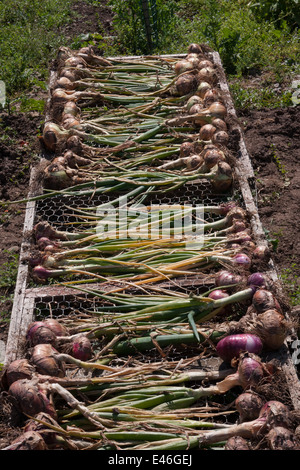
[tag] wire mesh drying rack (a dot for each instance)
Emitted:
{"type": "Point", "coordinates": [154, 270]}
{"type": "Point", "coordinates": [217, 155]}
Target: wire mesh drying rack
{"type": "Point", "coordinates": [31, 302]}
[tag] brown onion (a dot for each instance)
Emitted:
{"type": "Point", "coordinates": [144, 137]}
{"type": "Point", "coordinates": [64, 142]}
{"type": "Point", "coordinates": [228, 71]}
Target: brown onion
{"type": "Point", "coordinates": [194, 49]}
{"type": "Point", "coordinates": [206, 74]}
{"type": "Point", "coordinates": [185, 84]}
{"type": "Point", "coordinates": [272, 328]}
{"type": "Point", "coordinates": [44, 358]}
{"type": "Point", "coordinates": [192, 101]}
{"type": "Point", "coordinates": [264, 300]}
{"type": "Point", "coordinates": [207, 131]}
{"type": "Point", "coordinates": [281, 438]}
{"type": "Point", "coordinates": [237, 443]}
{"type": "Point", "coordinates": [183, 66]}
{"type": "Point", "coordinates": [220, 124]}
{"type": "Point", "coordinates": [248, 405]}
{"type": "Point", "coordinates": [220, 138]}
{"type": "Point", "coordinates": [202, 89]}
{"type": "Point", "coordinates": [205, 63]}
{"type": "Point", "coordinates": [186, 148]}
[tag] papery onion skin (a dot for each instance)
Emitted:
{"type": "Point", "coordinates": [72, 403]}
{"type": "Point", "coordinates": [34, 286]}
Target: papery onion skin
{"type": "Point", "coordinates": [30, 399]}
{"type": "Point", "coordinates": [218, 294]}
{"type": "Point", "coordinates": [250, 370]}
{"type": "Point", "coordinates": [231, 346]}
{"type": "Point", "coordinates": [272, 328]}
{"type": "Point", "coordinates": [248, 405]}
{"type": "Point", "coordinates": [39, 333]}
{"type": "Point", "coordinates": [57, 328]}
{"type": "Point", "coordinates": [281, 438]}
{"type": "Point", "coordinates": [46, 432]}
{"type": "Point", "coordinates": [29, 440]}
{"type": "Point", "coordinates": [19, 369]}
{"type": "Point", "coordinates": [237, 443]}
{"type": "Point", "coordinates": [45, 360]}
{"type": "Point", "coordinates": [264, 300]}
{"type": "Point", "coordinates": [226, 278]}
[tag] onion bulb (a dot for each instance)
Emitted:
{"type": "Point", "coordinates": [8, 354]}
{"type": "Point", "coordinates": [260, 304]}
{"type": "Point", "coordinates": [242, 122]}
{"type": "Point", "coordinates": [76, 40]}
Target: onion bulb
{"type": "Point", "coordinates": [272, 328]}
{"type": "Point", "coordinates": [264, 300]}
{"type": "Point", "coordinates": [30, 398]}
{"type": "Point", "coordinates": [207, 131]}
{"type": "Point", "coordinates": [183, 66]}
{"type": "Point", "coordinates": [194, 49]}
{"type": "Point", "coordinates": [231, 346]}
{"type": "Point", "coordinates": [44, 358]}
{"type": "Point", "coordinates": [237, 443]}
{"type": "Point", "coordinates": [185, 84]}
{"type": "Point", "coordinates": [248, 404]}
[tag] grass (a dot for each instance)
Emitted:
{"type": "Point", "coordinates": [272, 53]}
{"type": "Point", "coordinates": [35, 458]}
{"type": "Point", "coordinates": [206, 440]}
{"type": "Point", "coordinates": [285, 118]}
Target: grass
{"type": "Point", "coordinates": [8, 277]}
{"type": "Point", "coordinates": [291, 282]}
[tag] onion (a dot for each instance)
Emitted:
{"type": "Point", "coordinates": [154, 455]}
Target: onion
{"type": "Point", "coordinates": [275, 412]}
{"type": "Point", "coordinates": [193, 161]}
{"type": "Point", "coordinates": [205, 63]}
{"type": "Point", "coordinates": [280, 438]}
{"type": "Point", "coordinates": [218, 294]}
{"type": "Point", "coordinates": [212, 157]}
{"type": "Point", "coordinates": [207, 131]}
{"type": "Point", "coordinates": [210, 96]}
{"type": "Point", "coordinates": [206, 74]}
{"type": "Point", "coordinates": [256, 279]}
{"type": "Point", "coordinates": [185, 84]}
{"type": "Point", "coordinates": [64, 82]}
{"type": "Point", "coordinates": [186, 148]}
{"type": "Point", "coordinates": [226, 207]}
{"type": "Point", "coordinates": [223, 178]}
{"type": "Point", "coordinates": [183, 66]}
{"type": "Point", "coordinates": [220, 138]}
{"type": "Point", "coordinates": [220, 124]}
{"type": "Point", "coordinates": [237, 443]}
{"type": "Point", "coordinates": [29, 440]}
{"type": "Point", "coordinates": [56, 327]}
{"type": "Point", "coordinates": [231, 346]}
{"type": "Point", "coordinates": [264, 300]}
{"type": "Point", "coordinates": [272, 328]}
{"type": "Point", "coordinates": [30, 398]}
{"type": "Point", "coordinates": [192, 101]}
{"type": "Point", "coordinates": [248, 405]}
{"type": "Point", "coordinates": [75, 62]}
{"type": "Point", "coordinates": [194, 49]}
{"type": "Point", "coordinates": [48, 434]}
{"type": "Point", "coordinates": [202, 89]}
{"type": "Point", "coordinates": [217, 110]}
{"type": "Point", "coordinates": [226, 278]}
{"type": "Point", "coordinates": [81, 348]}
{"type": "Point", "coordinates": [17, 370]}
{"type": "Point", "coordinates": [250, 371]}
{"type": "Point", "coordinates": [45, 360]}
{"type": "Point", "coordinates": [262, 253]}
{"type": "Point", "coordinates": [193, 59]}
{"type": "Point", "coordinates": [242, 259]}
{"type": "Point", "coordinates": [39, 333]}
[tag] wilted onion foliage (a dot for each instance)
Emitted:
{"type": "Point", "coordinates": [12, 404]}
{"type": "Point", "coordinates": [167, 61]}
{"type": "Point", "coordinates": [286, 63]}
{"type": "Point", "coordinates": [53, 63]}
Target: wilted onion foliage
{"type": "Point", "coordinates": [131, 128]}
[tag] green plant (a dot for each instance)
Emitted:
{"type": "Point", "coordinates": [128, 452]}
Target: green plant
{"type": "Point", "coordinates": [9, 270]}
{"type": "Point", "coordinates": [291, 281]}
{"type": "Point", "coordinates": [143, 26]}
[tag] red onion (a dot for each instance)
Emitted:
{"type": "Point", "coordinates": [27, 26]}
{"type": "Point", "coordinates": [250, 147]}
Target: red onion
{"type": "Point", "coordinates": [256, 279]}
{"type": "Point", "coordinates": [17, 370]}
{"type": "Point", "coordinates": [218, 294]}
{"type": "Point", "coordinates": [250, 371]}
{"type": "Point", "coordinates": [39, 333]}
{"type": "Point", "coordinates": [231, 346]}
{"type": "Point", "coordinates": [226, 278]}
{"type": "Point", "coordinates": [262, 253]}
{"type": "Point", "coordinates": [248, 405]}
{"type": "Point", "coordinates": [82, 348]}
{"type": "Point", "coordinates": [275, 412]}
{"type": "Point", "coordinates": [56, 327]}
{"type": "Point", "coordinates": [242, 259]}
{"type": "Point", "coordinates": [227, 207]}
{"type": "Point", "coordinates": [30, 398]}
{"type": "Point", "coordinates": [41, 273]}
{"type": "Point", "coordinates": [264, 300]}
{"type": "Point", "coordinates": [45, 361]}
